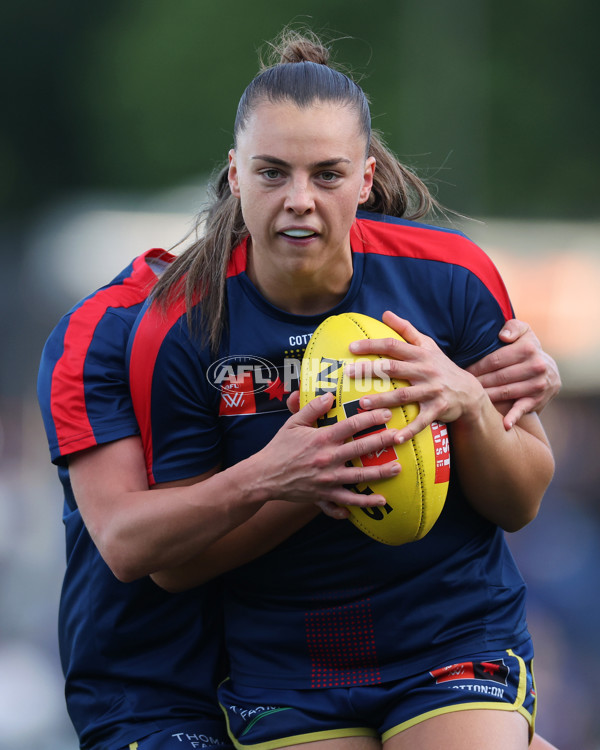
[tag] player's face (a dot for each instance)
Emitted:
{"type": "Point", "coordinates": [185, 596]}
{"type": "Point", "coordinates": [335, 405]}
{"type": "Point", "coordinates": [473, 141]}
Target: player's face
{"type": "Point", "coordinates": [300, 175]}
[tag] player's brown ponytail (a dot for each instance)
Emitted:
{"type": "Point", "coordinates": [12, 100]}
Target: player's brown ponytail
{"type": "Point", "coordinates": [396, 191]}
{"type": "Point", "coordinates": [299, 72]}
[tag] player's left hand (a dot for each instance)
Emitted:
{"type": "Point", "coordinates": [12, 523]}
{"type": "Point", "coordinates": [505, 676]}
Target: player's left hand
{"type": "Point", "coordinates": [520, 372]}
{"type": "Point", "coordinates": [443, 390]}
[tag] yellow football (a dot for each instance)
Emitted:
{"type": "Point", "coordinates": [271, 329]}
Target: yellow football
{"type": "Point", "coordinates": [416, 496]}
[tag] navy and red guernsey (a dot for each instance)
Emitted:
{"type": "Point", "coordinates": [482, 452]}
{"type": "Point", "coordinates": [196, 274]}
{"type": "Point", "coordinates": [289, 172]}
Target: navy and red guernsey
{"type": "Point", "coordinates": [136, 659]}
{"type": "Point", "coordinates": [330, 607]}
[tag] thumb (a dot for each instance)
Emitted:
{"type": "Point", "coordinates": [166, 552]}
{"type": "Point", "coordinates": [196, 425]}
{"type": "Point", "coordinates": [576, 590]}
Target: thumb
{"type": "Point", "coordinates": [402, 326]}
{"type": "Point", "coordinates": [333, 510]}
{"type": "Point", "coordinates": [316, 408]}
{"type": "Point", "coordinates": [512, 330]}
{"type": "Point", "coordinates": [293, 402]}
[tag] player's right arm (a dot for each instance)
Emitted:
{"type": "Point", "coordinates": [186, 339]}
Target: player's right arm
{"type": "Point", "coordinates": [139, 532]}
{"type": "Point", "coordinates": [86, 406]}
{"type": "Point", "coordinates": [195, 503]}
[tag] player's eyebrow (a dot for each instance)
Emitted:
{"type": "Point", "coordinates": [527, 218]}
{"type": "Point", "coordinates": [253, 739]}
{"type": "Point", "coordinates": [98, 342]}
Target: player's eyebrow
{"type": "Point", "coordinates": [319, 164]}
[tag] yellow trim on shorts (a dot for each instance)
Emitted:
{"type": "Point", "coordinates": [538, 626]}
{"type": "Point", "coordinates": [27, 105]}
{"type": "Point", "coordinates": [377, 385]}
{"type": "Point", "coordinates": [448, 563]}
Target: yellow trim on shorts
{"type": "Point", "coordinates": [331, 734]}
{"type": "Point", "coordinates": [133, 746]}
{"type": "Point", "coordinates": [516, 706]}
{"type": "Point", "coordinates": [534, 714]}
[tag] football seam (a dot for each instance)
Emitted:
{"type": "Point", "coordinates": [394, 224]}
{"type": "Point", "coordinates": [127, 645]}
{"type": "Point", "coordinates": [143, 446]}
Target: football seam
{"type": "Point", "coordinates": [422, 485]}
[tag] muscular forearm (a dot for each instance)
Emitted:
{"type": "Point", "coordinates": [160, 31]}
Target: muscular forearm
{"type": "Point", "coordinates": [137, 530]}
{"type": "Point", "coordinates": [504, 474]}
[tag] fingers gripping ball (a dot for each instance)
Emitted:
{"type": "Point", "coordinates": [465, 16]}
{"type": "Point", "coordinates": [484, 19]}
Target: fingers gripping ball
{"type": "Point", "coordinates": [415, 497]}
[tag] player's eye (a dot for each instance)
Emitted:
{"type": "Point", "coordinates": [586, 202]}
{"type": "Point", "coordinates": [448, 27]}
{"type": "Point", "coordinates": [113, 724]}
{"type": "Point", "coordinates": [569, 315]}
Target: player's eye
{"type": "Point", "coordinates": [271, 173]}
{"type": "Point", "coordinates": [329, 177]}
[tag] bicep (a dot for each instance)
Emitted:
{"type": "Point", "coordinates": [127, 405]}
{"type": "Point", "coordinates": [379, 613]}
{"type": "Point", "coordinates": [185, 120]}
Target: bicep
{"type": "Point", "coordinates": [102, 475]}
{"type": "Point", "coordinates": [531, 424]}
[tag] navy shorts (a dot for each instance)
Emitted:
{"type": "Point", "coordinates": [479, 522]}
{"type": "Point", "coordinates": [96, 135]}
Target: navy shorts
{"type": "Point", "coordinates": [186, 735]}
{"type": "Point", "coordinates": [272, 718]}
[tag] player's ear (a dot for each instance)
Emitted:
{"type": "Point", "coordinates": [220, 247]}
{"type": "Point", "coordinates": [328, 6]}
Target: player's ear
{"type": "Point", "coordinates": [365, 190]}
{"type": "Point", "coordinates": [233, 175]}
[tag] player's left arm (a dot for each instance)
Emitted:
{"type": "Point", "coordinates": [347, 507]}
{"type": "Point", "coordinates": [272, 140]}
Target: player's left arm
{"type": "Point", "coordinates": [520, 375]}
{"type": "Point", "coordinates": [504, 474]}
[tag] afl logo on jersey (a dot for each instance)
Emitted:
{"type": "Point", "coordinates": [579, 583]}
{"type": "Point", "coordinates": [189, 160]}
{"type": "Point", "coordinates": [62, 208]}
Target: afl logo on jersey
{"type": "Point", "coordinates": [255, 374]}
{"type": "Point", "coordinates": [249, 385]}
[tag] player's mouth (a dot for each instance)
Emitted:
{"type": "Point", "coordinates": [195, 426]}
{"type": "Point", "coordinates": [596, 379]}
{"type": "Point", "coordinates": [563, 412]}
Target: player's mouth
{"type": "Point", "coordinates": [297, 233]}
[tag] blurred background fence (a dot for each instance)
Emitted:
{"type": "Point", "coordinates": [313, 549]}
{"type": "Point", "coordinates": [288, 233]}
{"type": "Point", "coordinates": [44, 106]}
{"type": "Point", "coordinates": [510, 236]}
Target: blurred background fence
{"type": "Point", "coordinates": [115, 115]}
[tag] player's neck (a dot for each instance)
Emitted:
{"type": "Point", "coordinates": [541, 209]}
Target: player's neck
{"type": "Point", "coordinates": [301, 289]}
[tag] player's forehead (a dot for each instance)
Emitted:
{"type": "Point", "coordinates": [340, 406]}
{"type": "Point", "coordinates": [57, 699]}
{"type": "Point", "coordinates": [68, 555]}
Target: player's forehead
{"type": "Point", "coordinates": [316, 132]}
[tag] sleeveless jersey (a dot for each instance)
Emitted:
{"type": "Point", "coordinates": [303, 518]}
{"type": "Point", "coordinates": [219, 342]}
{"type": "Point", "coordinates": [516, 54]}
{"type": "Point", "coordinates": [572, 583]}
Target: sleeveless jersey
{"type": "Point", "coordinates": [135, 658]}
{"type": "Point", "coordinates": [330, 606]}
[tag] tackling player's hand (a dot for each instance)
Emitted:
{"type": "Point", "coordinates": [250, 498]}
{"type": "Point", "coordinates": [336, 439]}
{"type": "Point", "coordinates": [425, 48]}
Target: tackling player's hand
{"type": "Point", "coordinates": [520, 373]}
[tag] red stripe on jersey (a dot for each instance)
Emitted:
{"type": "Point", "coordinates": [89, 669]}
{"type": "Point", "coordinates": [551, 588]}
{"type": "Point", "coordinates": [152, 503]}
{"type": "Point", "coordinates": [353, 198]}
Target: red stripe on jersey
{"type": "Point", "coordinates": [149, 336]}
{"type": "Point", "coordinates": [67, 393]}
{"type": "Point", "coordinates": [430, 244]}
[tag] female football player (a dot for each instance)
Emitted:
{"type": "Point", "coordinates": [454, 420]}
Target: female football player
{"type": "Point", "coordinates": [334, 639]}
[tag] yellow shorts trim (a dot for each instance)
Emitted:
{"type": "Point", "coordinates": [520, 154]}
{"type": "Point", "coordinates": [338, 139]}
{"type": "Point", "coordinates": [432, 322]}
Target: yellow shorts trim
{"type": "Point", "coordinates": [330, 734]}
{"type": "Point", "coordinates": [488, 705]}
{"type": "Point", "coordinates": [133, 746]}
{"type": "Point", "coordinates": [534, 715]}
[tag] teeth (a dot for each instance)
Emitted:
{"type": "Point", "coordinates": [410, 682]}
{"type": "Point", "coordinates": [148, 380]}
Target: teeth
{"type": "Point", "coordinates": [298, 232]}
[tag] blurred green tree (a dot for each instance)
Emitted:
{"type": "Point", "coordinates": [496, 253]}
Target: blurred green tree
{"type": "Point", "coordinates": [495, 103]}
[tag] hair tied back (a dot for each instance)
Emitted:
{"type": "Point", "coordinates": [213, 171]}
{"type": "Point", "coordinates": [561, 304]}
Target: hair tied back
{"type": "Point", "coordinates": [293, 46]}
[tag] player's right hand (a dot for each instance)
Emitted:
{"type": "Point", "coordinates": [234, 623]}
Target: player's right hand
{"type": "Point", "coordinates": [305, 463]}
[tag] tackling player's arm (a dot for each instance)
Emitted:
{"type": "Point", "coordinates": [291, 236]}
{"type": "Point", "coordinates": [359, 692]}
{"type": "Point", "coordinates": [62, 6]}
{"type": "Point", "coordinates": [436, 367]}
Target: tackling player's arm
{"type": "Point", "coordinates": [270, 526]}
{"type": "Point", "coordinates": [520, 375]}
